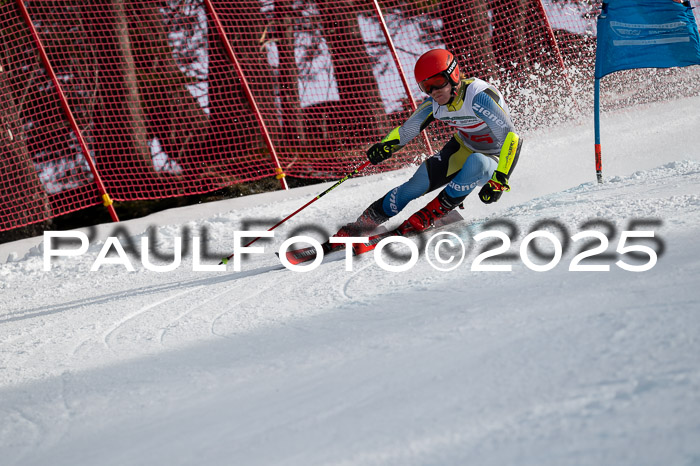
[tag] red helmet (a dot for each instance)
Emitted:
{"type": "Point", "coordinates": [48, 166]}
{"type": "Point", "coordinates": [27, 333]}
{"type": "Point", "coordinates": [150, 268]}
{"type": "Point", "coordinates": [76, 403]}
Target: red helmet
{"type": "Point", "coordinates": [435, 69]}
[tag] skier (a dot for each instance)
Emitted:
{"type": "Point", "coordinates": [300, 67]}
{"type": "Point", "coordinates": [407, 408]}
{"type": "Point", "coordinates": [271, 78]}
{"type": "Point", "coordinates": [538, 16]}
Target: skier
{"type": "Point", "coordinates": [483, 151]}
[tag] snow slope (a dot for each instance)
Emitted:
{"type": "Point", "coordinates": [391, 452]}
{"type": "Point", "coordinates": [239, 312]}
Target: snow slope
{"type": "Point", "coordinates": [270, 366]}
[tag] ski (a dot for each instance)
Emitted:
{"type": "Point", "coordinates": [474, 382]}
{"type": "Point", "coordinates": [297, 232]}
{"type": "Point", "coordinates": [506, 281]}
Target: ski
{"type": "Point", "coordinates": [298, 256]}
{"type": "Point", "coordinates": [370, 245]}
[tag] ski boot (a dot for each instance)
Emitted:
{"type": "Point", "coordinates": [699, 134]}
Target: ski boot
{"type": "Point", "coordinates": [370, 219]}
{"type": "Point", "coordinates": [428, 215]}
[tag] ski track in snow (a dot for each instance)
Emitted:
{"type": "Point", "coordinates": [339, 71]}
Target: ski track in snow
{"type": "Point", "coordinates": [357, 273]}
{"type": "Point", "coordinates": [130, 317]}
{"type": "Point", "coordinates": [242, 301]}
{"type": "Point", "coordinates": [162, 332]}
{"type": "Point", "coordinates": [271, 366]}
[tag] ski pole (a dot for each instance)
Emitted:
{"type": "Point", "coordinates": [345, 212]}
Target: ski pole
{"type": "Point", "coordinates": [345, 178]}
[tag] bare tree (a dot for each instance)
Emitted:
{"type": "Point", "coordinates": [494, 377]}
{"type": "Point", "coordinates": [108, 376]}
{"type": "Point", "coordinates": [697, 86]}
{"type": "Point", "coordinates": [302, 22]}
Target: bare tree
{"type": "Point", "coordinates": [521, 38]}
{"type": "Point", "coordinates": [285, 23]}
{"type": "Point", "coordinates": [509, 35]}
{"type": "Point", "coordinates": [466, 32]}
{"type": "Point", "coordinates": [173, 115]}
{"type": "Point", "coordinates": [352, 67]}
{"type": "Point", "coordinates": [120, 127]}
{"type": "Point", "coordinates": [23, 199]}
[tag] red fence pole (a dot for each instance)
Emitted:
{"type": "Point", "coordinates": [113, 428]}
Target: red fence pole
{"type": "Point", "coordinates": [279, 173]}
{"type": "Point", "coordinates": [404, 80]}
{"type": "Point", "coordinates": [106, 200]}
{"type": "Point", "coordinates": [555, 45]}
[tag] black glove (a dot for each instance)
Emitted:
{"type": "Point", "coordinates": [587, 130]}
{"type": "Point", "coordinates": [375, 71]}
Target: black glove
{"type": "Point", "coordinates": [491, 191]}
{"type": "Point", "coordinates": [381, 151]}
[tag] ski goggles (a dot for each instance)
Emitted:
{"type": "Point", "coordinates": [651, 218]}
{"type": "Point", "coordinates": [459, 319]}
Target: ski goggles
{"type": "Point", "coordinates": [438, 81]}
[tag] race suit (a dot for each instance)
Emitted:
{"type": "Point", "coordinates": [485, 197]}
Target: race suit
{"type": "Point", "coordinates": [485, 141]}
